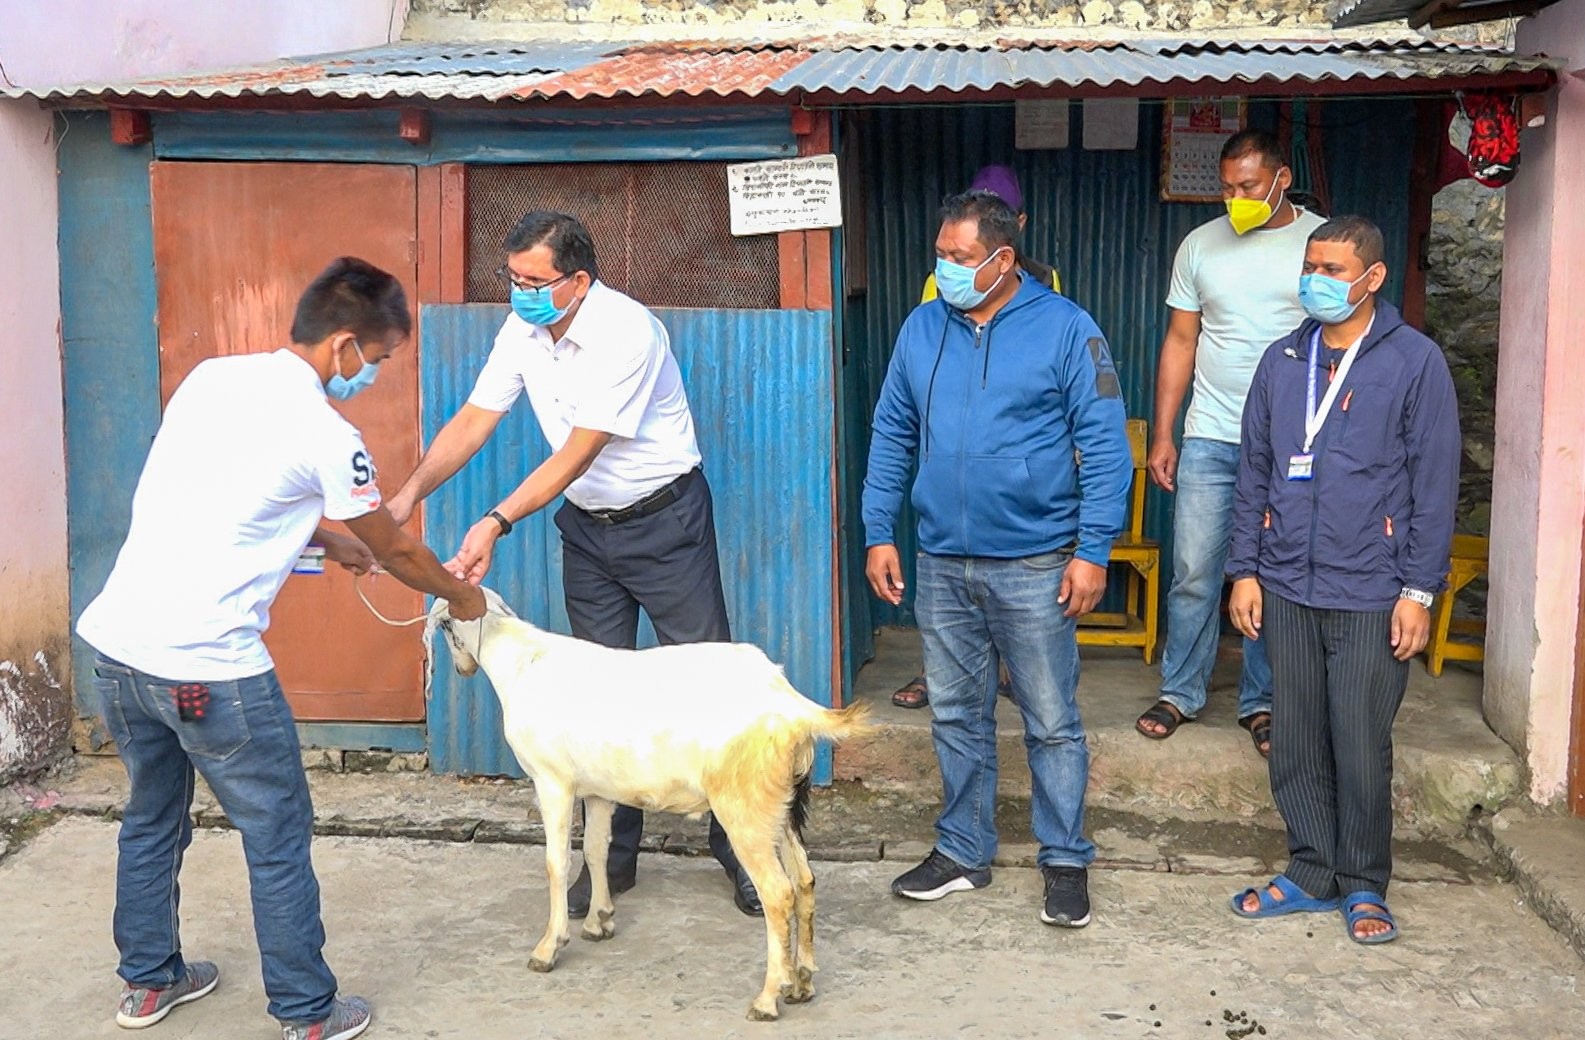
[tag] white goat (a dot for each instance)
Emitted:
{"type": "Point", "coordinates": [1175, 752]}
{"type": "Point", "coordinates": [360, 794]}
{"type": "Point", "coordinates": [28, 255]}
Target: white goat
{"type": "Point", "coordinates": [683, 729]}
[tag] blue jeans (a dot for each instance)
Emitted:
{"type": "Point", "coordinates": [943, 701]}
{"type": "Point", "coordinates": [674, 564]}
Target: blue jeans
{"type": "Point", "coordinates": [245, 746]}
{"type": "Point", "coordinates": [974, 613]}
{"type": "Point", "coordinates": [1202, 527]}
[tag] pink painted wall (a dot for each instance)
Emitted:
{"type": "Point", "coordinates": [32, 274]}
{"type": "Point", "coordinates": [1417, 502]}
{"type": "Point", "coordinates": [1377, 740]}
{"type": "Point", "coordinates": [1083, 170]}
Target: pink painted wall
{"type": "Point", "coordinates": [34, 715]}
{"type": "Point", "coordinates": [1538, 487]}
{"type": "Point", "coordinates": [65, 41]}
{"type": "Point", "coordinates": [73, 41]}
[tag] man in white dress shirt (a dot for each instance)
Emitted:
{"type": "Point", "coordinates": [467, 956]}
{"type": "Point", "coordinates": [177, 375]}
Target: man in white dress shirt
{"type": "Point", "coordinates": [637, 526]}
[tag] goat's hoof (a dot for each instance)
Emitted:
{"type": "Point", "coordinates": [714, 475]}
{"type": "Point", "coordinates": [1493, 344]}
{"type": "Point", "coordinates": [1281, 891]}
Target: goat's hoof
{"type": "Point", "coordinates": [540, 965]}
{"type": "Point", "coordinates": [598, 932]}
{"type": "Point", "coordinates": [759, 1014]}
{"type": "Point", "coordinates": [802, 991]}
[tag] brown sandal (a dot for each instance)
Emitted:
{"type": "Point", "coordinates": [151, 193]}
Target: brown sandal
{"type": "Point", "coordinates": [914, 694]}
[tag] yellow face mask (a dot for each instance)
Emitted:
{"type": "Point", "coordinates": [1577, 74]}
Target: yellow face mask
{"type": "Point", "coordinates": [1248, 214]}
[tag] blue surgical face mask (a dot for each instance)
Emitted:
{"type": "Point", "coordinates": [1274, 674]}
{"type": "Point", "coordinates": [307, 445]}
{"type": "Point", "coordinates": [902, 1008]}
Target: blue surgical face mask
{"type": "Point", "coordinates": [955, 283]}
{"type": "Point", "coordinates": [1326, 299]}
{"type": "Point", "coordinates": [536, 306]}
{"type": "Point", "coordinates": [341, 388]}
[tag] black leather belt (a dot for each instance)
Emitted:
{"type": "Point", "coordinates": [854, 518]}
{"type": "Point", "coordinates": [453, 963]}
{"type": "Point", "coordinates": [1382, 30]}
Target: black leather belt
{"type": "Point", "coordinates": [651, 503]}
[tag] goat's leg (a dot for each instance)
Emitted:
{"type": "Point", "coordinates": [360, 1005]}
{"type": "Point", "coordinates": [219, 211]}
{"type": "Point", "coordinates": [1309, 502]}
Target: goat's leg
{"type": "Point", "coordinates": [596, 845]}
{"type": "Point", "coordinates": [795, 861]}
{"type": "Point", "coordinates": [555, 807]}
{"type": "Point", "coordinates": [756, 852]}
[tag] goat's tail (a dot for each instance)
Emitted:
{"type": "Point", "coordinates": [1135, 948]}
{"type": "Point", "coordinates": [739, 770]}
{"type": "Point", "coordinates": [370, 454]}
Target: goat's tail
{"type": "Point", "coordinates": [836, 724]}
{"type": "Point", "coordinates": [841, 724]}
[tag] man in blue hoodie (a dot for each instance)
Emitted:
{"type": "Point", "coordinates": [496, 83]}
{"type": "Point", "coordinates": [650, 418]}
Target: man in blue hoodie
{"type": "Point", "coordinates": [997, 389]}
{"type": "Point", "coordinates": [1343, 520]}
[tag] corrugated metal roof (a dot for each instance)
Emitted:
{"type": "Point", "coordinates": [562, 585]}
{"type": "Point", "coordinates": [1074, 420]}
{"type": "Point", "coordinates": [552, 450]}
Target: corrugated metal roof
{"type": "Point", "coordinates": [665, 71]}
{"type": "Point", "coordinates": [892, 70]}
{"type": "Point", "coordinates": [551, 70]}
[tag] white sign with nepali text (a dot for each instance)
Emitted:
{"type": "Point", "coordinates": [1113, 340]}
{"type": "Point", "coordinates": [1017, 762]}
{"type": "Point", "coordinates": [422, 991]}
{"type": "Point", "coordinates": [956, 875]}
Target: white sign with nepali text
{"type": "Point", "coordinates": [784, 195]}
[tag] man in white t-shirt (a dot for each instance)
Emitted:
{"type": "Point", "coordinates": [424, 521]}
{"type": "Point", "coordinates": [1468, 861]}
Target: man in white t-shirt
{"type": "Point", "coordinates": [1235, 291]}
{"type": "Point", "coordinates": [249, 458]}
{"type": "Point", "coordinates": [638, 526]}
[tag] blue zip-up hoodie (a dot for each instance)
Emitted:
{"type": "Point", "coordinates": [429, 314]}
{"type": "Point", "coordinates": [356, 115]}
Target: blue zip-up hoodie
{"type": "Point", "coordinates": [997, 417]}
{"type": "Point", "coordinates": [1378, 514]}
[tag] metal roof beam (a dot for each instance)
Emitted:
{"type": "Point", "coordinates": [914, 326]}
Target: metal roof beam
{"type": "Point", "coordinates": [1422, 17]}
{"type": "Point", "coordinates": [1485, 13]}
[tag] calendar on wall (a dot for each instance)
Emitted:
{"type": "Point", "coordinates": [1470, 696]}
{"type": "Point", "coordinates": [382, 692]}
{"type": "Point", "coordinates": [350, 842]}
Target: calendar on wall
{"type": "Point", "coordinates": [1193, 131]}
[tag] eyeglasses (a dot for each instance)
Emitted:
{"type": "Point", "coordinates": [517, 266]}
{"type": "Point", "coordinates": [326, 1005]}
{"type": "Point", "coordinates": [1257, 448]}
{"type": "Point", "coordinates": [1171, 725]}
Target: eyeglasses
{"type": "Point", "coordinates": [513, 280]}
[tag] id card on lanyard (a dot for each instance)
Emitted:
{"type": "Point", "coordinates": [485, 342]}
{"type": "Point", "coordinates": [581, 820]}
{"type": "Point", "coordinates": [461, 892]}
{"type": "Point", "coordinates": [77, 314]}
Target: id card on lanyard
{"type": "Point", "coordinates": [1302, 465]}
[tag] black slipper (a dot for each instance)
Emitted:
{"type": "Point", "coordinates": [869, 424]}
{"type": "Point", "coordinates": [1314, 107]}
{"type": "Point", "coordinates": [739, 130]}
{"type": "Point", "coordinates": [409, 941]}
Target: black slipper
{"type": "Point", "coordinates": [1164, 714]}
{"type": "Point", "coordinates": [914, 694]}
{"type": "Point", "coordinates": [1259, 726]}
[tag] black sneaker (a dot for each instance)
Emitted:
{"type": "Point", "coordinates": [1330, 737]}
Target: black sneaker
{"type": "Point", "coordinates": [1067, 897]}
{"type": "Point", "coordinates": [937, 876]}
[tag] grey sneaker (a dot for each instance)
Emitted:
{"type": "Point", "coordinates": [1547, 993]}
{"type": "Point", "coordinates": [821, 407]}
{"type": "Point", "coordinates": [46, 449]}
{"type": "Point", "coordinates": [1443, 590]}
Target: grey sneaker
{"type": "Point", "coordinates": [347, 1019]}
{"type": "Point", "coordinates": [141, 1006]}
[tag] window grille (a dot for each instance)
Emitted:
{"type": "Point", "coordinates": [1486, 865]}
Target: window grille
{"type": "Point", "coordinates": [661, 230]}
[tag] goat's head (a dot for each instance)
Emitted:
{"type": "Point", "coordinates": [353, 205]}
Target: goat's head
{"type": "Point", "coordinates": [464, 637]}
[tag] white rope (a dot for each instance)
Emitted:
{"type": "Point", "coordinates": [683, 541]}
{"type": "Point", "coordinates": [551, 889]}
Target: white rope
{"type": "Point", "coordinates": [357, 583]}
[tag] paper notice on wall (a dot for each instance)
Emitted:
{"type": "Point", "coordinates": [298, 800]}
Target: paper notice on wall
{"type": "Point", "coordinates": [784, 195]}
{"type": "Point", "coordinates": [1040, 123]}
{"type": "Point", "coordinates": [1111, 124]}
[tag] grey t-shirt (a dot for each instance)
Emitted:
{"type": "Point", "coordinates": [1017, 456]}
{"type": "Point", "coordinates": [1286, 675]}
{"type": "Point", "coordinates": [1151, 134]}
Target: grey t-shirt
{"type": "Point", "coordinates": [1246, 290]}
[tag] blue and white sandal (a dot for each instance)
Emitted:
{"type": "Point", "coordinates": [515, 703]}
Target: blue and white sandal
{"type": "Point", "coordinates": [1353, 916]}
{"type": "Point", "coordinates": [1294, 900]}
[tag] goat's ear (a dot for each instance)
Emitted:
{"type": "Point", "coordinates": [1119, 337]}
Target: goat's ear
{"type": "Point", "coordinates": [496, 603]}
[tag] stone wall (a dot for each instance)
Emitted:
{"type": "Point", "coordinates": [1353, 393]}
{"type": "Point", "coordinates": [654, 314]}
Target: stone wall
{"type": "Point", "coordinates": [1136, 15]}
{"type": "Point", "coordinates": [1463, 294]}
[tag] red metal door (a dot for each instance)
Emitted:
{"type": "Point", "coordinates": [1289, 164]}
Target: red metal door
{"type": "Point", "coordinates": [234, 246]}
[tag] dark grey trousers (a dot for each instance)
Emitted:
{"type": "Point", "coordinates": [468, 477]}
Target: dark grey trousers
{"type": "Point", "coordinates": [1336, 689]}
{"type": "Point", "coordinates": [667, 563]}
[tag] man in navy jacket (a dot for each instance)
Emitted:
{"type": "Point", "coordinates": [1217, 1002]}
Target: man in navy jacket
{"type": "Point", "coordinates": [1343, 519]}
{"type": "Point", "coordinates": [997, 389]}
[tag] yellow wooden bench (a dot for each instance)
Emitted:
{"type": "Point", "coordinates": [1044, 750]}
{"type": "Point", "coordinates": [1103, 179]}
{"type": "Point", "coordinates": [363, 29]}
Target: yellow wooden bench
{"type": "Point", "coordinates": [1136, 624]}
{"type": "Point", "coordinates": [1458, 639]}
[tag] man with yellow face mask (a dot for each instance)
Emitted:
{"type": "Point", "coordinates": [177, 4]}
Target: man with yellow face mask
{"type": "Point", "coordinates": [1234, 292]}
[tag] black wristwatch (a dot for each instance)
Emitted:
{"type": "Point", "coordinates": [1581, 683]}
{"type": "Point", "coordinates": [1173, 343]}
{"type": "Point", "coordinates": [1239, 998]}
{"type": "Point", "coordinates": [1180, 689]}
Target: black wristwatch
{"type": "Point", "coordinates": [506, 525]}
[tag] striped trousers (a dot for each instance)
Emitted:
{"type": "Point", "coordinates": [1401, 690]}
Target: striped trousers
{"type": "Point", "coordinates": [1336, 689]}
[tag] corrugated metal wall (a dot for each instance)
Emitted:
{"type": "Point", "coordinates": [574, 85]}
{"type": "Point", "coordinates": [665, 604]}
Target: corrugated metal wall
{"type": "Point", "coordinates": [1096, 215]}
{"type": "Point", "coordinates": [464, 715]}
{"type": "Point", "coordinates": [760, 385]}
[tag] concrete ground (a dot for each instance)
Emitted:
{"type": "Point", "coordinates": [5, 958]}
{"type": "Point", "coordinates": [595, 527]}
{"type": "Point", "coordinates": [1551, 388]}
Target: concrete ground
{"type": "Point", "coordinates": [437, 936]}
{"type": "Point", "coordinates": [435, 894]}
